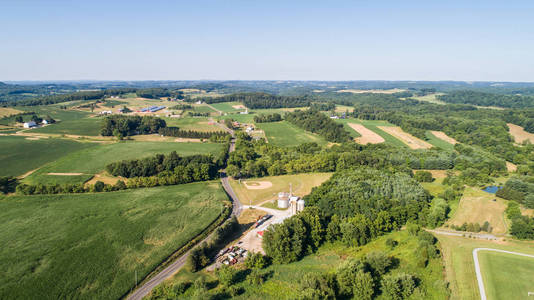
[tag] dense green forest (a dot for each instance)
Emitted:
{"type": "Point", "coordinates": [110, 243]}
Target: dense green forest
{"type": "Point", "coordinates": [260, 100]}
{"type": "Point", "coordinates": [487, 99]}
{"type": "Point", "coordinates": [120, 125]}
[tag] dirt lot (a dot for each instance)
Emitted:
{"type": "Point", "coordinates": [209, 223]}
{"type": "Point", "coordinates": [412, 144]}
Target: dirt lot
{"type": "Point", "coordinates": [240, 106]}
{"type": "Point", "coordinates": [511, 167]}
{"type": "Point", "coordinates": [367, 136]}
{"type": "Point", "coordinates": [443, 136]}
{"type": "Point", "coordinates": [105, 178]}
{"type": "Point", "coordinates": [520, 134]}
{"type": "Point", "coordinates": [405, 137]}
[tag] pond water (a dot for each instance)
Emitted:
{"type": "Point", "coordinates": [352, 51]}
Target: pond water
{"type": "Point", "coordinates": [492, 189]}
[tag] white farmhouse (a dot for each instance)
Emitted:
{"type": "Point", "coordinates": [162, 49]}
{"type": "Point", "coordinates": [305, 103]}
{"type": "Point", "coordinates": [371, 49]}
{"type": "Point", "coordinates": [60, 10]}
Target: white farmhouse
{"type": "Point", "coordinates": [30, 124]}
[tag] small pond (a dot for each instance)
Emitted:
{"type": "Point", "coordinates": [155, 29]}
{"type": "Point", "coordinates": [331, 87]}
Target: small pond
{"type": "Point", "coordinates": [492, 189]}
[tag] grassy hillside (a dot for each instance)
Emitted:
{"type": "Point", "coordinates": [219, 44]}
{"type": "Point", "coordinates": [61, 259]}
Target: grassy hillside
{"type": "Point", "coordinates": [19, 155]}
{"type": "Point", "coordinates": [94, 160]}
{"type": "Point", "coordinates": [283, 281]}
{"type": "Point", "coordinates": [88, 246]}
{"type": "Point", "coordinates": [287, 135]}
{"type": "Point", "coordinates": [459, 267]}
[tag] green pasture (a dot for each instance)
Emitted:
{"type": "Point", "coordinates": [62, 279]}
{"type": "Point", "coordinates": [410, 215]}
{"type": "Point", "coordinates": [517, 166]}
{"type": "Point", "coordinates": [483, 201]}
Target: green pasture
{"type": "Point", "coordinates": [286, 134]}
{"type": "Point", "coordinates": [94, 160]}
{"type": "Point", "coordinates": [437, 142]}
{"type": "Point", "coordinates": [19, 155]}
{"type": "Point", "coordinates": [89, 246]}
{"type": "Point", "coordinates": [86, 126]}
{"type": "Point", "coordinates": [506, 276]}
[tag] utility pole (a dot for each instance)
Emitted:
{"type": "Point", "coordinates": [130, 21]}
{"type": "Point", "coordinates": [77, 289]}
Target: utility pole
{"type": "Point", "coordinates": [135, 278]}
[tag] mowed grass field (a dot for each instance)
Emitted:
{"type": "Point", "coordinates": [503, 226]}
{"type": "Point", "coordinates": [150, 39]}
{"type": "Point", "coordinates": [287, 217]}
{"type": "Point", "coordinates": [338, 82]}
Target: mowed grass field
{"type": "Point", "coordinates": [506, 276]}
{"type": "Point", "coordinates": [477, 206]}
{"type": "Point", "coordinates": [192, 123]}
{"type": "Point", "coordinates": [227, 107]}
{"type": "Point", "coordinates": [460, 268]}
{"type": "Point", "coordinates": [88, 246]}
{"type": "Point", "coordinates": [286, 134]}
{"type": "Point", "coordinates": [284, 279]}
{"type": "Point", "coordinates": [19, 155]}
{"type": "Point", "coordinates": [302, 185]}
{"type": "Point", "coordinates": [93, 160]}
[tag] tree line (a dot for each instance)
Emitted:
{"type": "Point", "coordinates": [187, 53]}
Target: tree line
{"type": "Point", "coordinates": [260, 100]}
{"type": "Point", "coordinates": [316, 122]}
{"type": "Point", "coordinates": [487, 99]}
{"type": "Point", "coordinates": [216, 136]}
{"type": "Point", "coordinates": [266, 118]}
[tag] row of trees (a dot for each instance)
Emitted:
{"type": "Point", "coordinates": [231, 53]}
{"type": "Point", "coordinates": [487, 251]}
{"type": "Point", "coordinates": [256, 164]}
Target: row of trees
{"type": "Point", "coordinates": [316, 122]}
{"type": "Point", "coordinates": [177, 132]}
{"type": "Point", "coordinates": [99, 186]}
{"type": "Point", "coordinates": [205, 165]}
{"type": "Point", "coordinates": [266, 118]}
{"type": "Point", "coordinates": [201, 256]}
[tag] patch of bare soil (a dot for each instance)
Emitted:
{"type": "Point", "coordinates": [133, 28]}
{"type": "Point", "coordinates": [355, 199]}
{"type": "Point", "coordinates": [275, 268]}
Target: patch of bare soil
{"type": "Point", "coordinates": [367, 136]}
{"type": "Point", "coordinates": [405, 137]}
{"type": "Point", "coordinates": [511, 167]}
{"type": "Point", "coordinates": [258, 185]}
{"type": "Point", "coordinates": [520, 134]}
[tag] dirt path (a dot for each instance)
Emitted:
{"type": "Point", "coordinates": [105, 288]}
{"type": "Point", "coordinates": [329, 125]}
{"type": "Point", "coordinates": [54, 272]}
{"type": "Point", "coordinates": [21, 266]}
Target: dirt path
{"type": "Point", "coordinates": [66, 174]}
{"type": "Point", "coordinates": [27, 174]}
{"type": "Point", "coordinates": [367, 136]}
{"type": "Point", "coordinates": [405, 137]}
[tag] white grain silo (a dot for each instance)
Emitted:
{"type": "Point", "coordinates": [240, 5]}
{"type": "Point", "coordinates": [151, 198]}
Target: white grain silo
{"type": "Point", "coordinates": [300, 205]}
{"type": "Point", "coordinates": [283, 200]}
{"type": "Point", "coordinates": [293, 204]}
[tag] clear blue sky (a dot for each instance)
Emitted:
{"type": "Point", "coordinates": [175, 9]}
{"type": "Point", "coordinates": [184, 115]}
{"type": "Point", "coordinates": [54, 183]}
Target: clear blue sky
{"type": "Point", "coordinates": [299, 40]}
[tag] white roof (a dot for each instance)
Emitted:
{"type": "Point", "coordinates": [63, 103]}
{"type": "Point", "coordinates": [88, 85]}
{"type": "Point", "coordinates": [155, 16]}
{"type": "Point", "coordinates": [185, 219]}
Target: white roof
{"type": "Point", "coordinates": [294, 198]}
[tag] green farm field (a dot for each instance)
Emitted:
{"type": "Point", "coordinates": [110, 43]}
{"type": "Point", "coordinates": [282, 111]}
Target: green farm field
{"type": "Point", "coordinates": [89, 246]}
{"type": "Point", "coordinates": [437, 142]}
{"type": "Point", "coordinates": [285, 277]}
{"type": "Point", "coordinates": [287, 135]}
{"type": "Point", "coordinates": [192, 123]}
{"type": "Point", "coordinates": [94, 160]}
{"type": "Point", "coordinates": [19, 155]}
{"type": "Point", "coordinates": [373, 126]}
{"type": "Point", "coordinates": [506, 276]}
{"type": "Point", "coordinates": [85, 126]}
{"type": "Point", "coordinates": [460, 269]}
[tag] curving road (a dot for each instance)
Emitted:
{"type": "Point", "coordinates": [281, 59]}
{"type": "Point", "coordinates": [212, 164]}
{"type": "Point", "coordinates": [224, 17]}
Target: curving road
{"type": "Point", "coordinates": [180, 262]}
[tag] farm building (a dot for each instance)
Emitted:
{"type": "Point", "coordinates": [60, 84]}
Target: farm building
{"type": "Point", "coordinates": [30, 124]}
{"type": "Point", "coordinates": [44, 122]}
{"type": "Point", "coordinates": [152, 109]}
{"type": "Point", "coordinates": [106, 112]}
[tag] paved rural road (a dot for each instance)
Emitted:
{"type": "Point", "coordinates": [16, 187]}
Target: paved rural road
{"type": "Point", "coordinates": [484, 236]}
{"type": "Point", "coordinates": [180, 262]}
{"type": "Point", "coordinates": [477, 267]}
